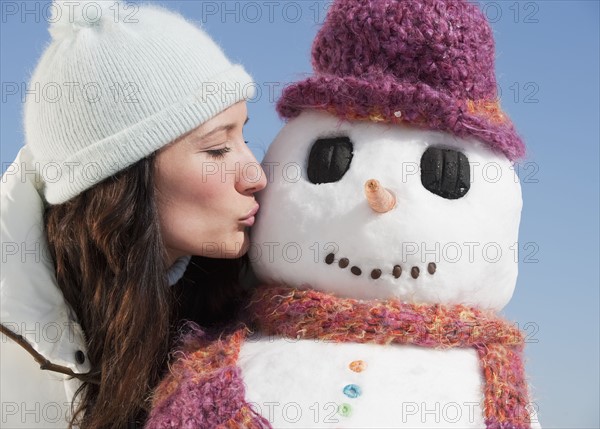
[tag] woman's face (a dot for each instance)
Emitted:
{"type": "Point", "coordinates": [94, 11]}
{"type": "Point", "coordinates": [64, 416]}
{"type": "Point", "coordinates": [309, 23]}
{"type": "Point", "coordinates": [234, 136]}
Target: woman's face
{"type": "Point", "coordinates": [205, 183]}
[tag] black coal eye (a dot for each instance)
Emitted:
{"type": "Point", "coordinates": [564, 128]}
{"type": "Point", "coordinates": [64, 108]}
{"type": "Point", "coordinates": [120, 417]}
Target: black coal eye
{"type": "Point", "coordinates": [329, 159]}
{"type": "Point", "coordinates": [445, 172]}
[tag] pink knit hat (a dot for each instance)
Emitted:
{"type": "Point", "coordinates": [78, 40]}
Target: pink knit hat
{"type": "Point", "coordinates": [427, 63]}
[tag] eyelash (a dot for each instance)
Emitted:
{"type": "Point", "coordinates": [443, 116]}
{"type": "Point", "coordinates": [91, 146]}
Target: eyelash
{"type": "Point", "coordinates": [219, 153]}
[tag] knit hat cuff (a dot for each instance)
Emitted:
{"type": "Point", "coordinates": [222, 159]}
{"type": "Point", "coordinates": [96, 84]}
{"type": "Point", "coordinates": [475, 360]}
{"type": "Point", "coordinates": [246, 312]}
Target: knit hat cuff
{"type": "Point", "coordinates": [97, 162]}
{"type": "Point", "coordinates": [383, 98]}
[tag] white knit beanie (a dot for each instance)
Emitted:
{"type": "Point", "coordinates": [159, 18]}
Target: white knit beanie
{"type": "Point", "coordinates": [117, 82]}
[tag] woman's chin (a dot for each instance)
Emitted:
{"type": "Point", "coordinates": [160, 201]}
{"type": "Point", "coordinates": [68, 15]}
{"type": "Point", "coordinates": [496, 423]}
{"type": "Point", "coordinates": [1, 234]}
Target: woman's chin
{"type": "Point", "coordinates": [237, 247]}
{"type": "Point", "coordinates": [244, 245]}
{"type": "Point", "coordinates": [230, 247]}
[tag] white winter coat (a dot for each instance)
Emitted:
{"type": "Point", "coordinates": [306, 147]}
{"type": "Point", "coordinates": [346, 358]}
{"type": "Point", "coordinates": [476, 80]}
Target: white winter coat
{"type": "Point", "coordinates": [32, 305]}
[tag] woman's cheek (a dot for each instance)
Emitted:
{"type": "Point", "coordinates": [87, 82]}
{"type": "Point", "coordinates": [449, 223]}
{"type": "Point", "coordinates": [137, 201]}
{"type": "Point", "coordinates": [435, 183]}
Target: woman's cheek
{"type": "Point", "coordinates": [209, 185]}
{"type": "Point", "coordinates": [202, 176]}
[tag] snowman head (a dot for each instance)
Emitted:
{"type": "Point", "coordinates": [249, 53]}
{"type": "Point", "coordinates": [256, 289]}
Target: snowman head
{"type": "Point", "coordinates": [393, 177]}
{"type": "Point", "coordinates": [448, 236]}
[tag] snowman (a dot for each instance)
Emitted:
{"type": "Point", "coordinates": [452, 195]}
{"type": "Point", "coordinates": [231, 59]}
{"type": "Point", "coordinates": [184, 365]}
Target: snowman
{"type": "Point", "coordinates": [386, 238]}
{"type": "Point", "coordinates": [387, 233]}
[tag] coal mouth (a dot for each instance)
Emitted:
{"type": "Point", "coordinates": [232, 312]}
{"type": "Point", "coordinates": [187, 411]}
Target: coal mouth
{"type": "Point", "coordinates": [396, 271]}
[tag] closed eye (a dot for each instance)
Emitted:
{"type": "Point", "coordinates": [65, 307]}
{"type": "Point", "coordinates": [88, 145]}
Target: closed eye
{"type": "Point", "coordinates": [218, 153]}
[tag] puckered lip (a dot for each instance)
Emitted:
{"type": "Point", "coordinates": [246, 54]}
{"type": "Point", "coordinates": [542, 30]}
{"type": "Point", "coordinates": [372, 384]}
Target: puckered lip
{"type": "Point", "coordinates": [251, 212]}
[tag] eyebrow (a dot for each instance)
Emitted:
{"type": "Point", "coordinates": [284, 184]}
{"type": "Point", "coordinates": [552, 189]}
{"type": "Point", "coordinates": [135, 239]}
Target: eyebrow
{"type": "Point", "coordinates": [225, 127]}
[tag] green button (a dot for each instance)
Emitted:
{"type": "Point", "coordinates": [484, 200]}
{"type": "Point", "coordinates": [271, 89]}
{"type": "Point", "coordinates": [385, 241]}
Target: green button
{"type": "Point", "coordinates": [345, 410]}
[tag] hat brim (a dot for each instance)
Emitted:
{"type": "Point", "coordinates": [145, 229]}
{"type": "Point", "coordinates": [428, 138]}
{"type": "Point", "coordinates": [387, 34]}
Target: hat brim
{"type": "Point", "coordinates": [383, 98]}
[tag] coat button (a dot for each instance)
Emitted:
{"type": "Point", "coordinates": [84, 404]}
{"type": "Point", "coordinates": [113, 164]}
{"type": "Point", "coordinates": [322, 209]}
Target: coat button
{"type": "Point", "coordinates": [79, 357]}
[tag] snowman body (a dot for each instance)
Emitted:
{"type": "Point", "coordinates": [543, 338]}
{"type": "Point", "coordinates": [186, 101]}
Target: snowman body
{"type": "Point", "coordinates": [312, 384]}
{"type": "Point", "coordinates": [444, 242]}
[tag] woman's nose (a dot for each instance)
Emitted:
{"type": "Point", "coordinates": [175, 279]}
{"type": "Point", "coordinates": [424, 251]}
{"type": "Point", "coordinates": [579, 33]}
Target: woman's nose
{"type": "Point", "coordinates": [381, 200]}
{"type": "Point", "coordinates": [252, 178]}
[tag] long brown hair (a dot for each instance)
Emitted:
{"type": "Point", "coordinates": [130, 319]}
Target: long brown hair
{"type": "Point", "coordinates": [110, 265]}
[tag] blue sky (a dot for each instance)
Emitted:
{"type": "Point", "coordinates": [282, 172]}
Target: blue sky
{"type": "Point", "coordinates": [548, 73]}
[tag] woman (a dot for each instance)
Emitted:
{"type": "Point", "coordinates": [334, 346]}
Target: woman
{"type": "Point", "coordinates": [115, 192]}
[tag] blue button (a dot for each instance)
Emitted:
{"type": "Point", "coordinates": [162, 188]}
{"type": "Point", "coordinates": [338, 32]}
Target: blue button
{"type": "Point", "coordinates": [352, 391]}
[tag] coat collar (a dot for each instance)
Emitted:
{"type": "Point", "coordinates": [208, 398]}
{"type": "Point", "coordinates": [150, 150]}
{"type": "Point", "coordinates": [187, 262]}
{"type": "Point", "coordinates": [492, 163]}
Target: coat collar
{"type": "Point", "coordinates": [31, 303]}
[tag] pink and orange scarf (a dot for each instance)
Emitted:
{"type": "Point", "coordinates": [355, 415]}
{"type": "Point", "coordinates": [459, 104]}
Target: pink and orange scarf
{"type": "Point", "coordinates": [205, 368]}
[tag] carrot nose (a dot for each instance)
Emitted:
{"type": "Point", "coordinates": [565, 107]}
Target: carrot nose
{"type": "Point", "coordinates": [380, 199]}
